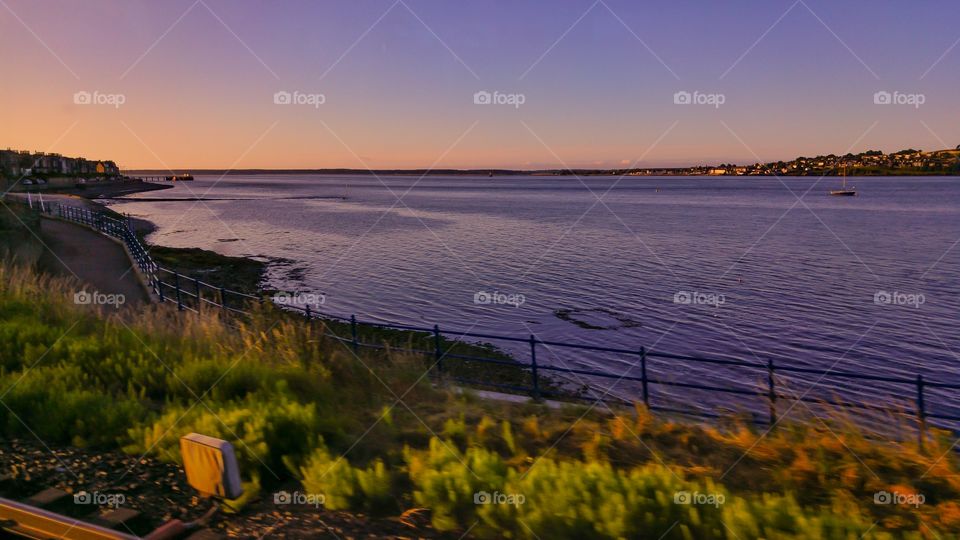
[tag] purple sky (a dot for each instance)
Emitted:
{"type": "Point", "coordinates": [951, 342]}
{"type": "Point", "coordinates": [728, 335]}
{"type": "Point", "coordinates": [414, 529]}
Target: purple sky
{"type": "Point", "coordinates": [398, 79]}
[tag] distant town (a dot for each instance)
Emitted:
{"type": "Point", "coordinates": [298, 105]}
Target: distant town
{"type": "Point", "coordinates": [38, 165]}
{"type": "Point", "coordinates": [26, 164]}
{"type": "Point", "coordinates": [869, 163]}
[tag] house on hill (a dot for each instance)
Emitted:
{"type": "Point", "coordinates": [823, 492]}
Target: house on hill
{"type": "Point", "coordinates": [18, 163]}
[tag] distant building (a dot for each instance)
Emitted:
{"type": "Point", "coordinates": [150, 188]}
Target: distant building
{"type": "Point", "coordinates": [18, 163]}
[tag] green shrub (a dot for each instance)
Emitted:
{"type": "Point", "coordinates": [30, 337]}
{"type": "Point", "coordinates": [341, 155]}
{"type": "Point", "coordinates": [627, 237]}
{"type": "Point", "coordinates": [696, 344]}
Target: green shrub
{"type": "Point", "coordinates": [58, 405]}
{"type": "Point", "coordinates": [447, 480]}
{"type": "Point", "coordinates": [575, 499]}
{"type": "Point", "coordinates": [268, 435]}
{"type": "Point", "coordinates": [347, 488]}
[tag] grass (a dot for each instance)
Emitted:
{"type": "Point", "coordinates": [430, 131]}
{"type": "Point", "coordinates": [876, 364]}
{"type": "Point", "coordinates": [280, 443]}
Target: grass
{"type": "Point", "coordinates": [373, 434]}
{"type": "Point", "coordinates": [18, 227]}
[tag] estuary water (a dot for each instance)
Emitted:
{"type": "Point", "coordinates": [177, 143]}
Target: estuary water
{"type": "Point", "coordinates": [750, 268]}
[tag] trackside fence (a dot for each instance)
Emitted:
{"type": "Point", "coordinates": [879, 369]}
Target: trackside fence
{"type": "Point", "coordinates": [768, 389]}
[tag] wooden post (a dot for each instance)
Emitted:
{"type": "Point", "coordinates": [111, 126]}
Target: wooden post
{"type": "Point", "coordinates": [533, 367]}
{"type": "Point", "coordinates": [643, 376]}
{"type": "Point", "coordinates": [437, 353]}
{"type": "Point", "coordinates": [771, 392]}
{"type": "Point", "coordinates": [223, 301]}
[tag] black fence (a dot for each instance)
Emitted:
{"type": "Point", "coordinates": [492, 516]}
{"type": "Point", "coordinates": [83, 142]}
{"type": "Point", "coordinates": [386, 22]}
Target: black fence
{"type": "Point", "coordinates": [766, 383]}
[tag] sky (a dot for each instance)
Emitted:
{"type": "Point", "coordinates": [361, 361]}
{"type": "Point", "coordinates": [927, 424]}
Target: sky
{"type": "Point", "coordinates": [183, 84]}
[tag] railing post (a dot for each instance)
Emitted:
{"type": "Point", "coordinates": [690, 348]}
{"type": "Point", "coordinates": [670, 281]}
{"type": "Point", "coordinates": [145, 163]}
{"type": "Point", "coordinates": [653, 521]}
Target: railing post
{"type": "Point", "coordinates": [771, 392]}
{"type": "Point", "coordinates": [643, 376]}
{"type": "Point", "coordinates": [353, 333]}
{"type": "Point", "coordinates": [308, 312]}
{"type": "Point", "coordinates": [196, 287]}
{"type": "Point", "coordinates": [921, 413]}
{"type": "Point", "coordinates": [176, 286]}
{"type": "Point", "coordinates": [156, 277]}
{"type": "Point", "coordinates": [223, 301]}
{"type": "Point", "coordinates": [437, 353]}
{"type": "Point", "coordinates": [533, 367]}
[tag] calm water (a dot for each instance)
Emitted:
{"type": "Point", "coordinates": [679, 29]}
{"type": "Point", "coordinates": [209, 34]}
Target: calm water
{"type": "Point", "coordinates": [782, 279]}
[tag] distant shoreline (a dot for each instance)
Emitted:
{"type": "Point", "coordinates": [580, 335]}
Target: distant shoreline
{"type": "Point", "coordinates": [499, 172]}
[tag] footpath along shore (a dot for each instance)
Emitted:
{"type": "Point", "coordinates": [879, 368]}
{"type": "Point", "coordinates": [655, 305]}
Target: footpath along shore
{"type": "Point", "coordinates": [98, 261]}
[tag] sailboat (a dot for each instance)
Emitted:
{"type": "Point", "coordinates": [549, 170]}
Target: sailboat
{"type": "Point", "coordinates": [843, 191]}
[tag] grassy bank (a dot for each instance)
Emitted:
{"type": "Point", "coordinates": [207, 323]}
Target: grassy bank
{"type": "Point", "coordinates": [19, 231]}
{"type": "Point", "coordinates": [372, 434]}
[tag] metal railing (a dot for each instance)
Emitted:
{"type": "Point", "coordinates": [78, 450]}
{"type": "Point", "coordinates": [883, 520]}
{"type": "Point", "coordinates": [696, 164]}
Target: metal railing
{"type": "Point", "coordinates": [769, 378]}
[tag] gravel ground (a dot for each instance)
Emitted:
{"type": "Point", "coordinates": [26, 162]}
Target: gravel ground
{"type": "Point", "coordinates": [160, 492]}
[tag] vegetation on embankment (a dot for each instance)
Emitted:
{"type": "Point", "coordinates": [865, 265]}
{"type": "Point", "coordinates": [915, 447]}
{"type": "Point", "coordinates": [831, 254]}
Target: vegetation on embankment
{"type": "Point", "coordinates": [240, 274]}
{"type": "Point", "coordinates": [371, 432]}
{"type": "Point", "coordinates": [19, 230]}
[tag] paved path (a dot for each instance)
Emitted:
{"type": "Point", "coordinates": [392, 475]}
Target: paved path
{"type": "Point", "coordinates": [93, 258]}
